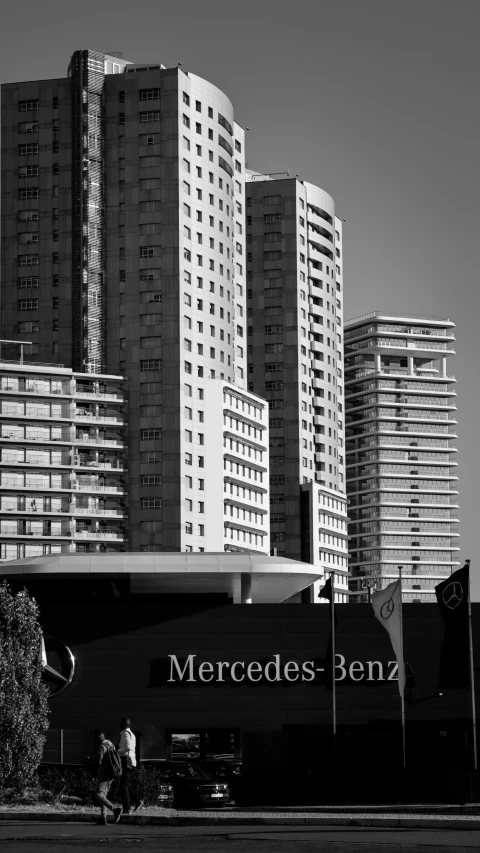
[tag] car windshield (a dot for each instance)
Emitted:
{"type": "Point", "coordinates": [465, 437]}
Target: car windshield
{"type": "Point", "coordinates": [194, 770]}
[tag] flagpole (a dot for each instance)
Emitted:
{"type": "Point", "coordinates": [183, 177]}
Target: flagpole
{"type": "Point", "coordinates": [472, 676]}
{"type": "Point", "coordinates": [402, 694]}
{"type": "Point", "coordinates": [334, 688]}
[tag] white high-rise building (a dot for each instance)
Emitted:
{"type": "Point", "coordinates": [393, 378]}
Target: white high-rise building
{"type": "Point", "coordinates": [124, 253]}
{"type": "Point", "coordinates": [401, 468]}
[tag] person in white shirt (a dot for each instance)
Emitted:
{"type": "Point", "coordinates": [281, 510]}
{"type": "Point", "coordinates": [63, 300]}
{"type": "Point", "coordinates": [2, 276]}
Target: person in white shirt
{"type": "Point", "coordinates": [127, 753]}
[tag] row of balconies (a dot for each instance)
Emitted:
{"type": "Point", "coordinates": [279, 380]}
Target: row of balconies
{"type": "Point", "coordinates": [107, 488]}
{"type": "Point", "coordinates": [400, 343]}
{"type": "Point", "coordinates": [398, 328]}
{"type": "Point", "coordinates": [399, 414]}
{"type": "Point", "coordinates": [67, 509]}
{"type": "Point", "coordinates": [104, 535]}
{"type": "Point", "coordinates": [111, 465]}
{"type": "Point", "coordinates": [400, 401]}
{"type": "Point", "coordinates": [23, 550]}
{"type": "Point", "coordinates": [419, 385]}
{"type": "Point", "coordinates": [11, 386]}
{"type": "Point", "coordinates": [410, 428]}
{"type": "Point", "coordinates": [9, 433]}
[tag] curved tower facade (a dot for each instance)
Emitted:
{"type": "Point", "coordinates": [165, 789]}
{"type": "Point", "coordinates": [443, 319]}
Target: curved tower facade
{"type": "Point", "coordinates": [295, 310]}
{"type": "Point", "coordinates": [123, 209]}
{"type": "Point", "coordinates": [401, 469]}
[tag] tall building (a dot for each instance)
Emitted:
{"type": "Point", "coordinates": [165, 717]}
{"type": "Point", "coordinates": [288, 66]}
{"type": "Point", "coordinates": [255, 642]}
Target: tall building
{"type": "Point", "coordinates": [62, 461]}
{"type": "Point", "coordinates": [295, 342]}
{"type": "Point", "coordinates": [123, 253]}
{"type": "Point", "coordinates": [401, 469]}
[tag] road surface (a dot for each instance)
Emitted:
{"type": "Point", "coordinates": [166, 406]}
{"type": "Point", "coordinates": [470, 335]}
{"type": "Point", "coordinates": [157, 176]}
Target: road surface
{"type": "Point", "coordinates": [46, 837]}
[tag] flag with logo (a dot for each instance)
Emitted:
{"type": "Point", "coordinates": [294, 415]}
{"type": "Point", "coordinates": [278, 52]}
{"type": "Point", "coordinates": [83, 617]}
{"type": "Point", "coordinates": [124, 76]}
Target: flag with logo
{"type": "Point", "coordinates": [452, 597]}
{"type": "Point", "coordinates": [387, 606]}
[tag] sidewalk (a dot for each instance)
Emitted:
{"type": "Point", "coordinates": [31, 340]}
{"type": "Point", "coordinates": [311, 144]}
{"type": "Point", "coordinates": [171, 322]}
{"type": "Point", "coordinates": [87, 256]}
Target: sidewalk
{"type": "Point", "coordinates": [354, 816]}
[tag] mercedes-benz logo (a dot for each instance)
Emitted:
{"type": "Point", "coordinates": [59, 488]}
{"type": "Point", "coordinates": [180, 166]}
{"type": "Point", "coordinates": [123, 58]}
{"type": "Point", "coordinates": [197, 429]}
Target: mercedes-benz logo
{"type": "Point", "coordinates": [387, 609]}
{"type": "Point", "coordinates": [58, 665]}
{"type": "Point", "coordinates": [452, 595]}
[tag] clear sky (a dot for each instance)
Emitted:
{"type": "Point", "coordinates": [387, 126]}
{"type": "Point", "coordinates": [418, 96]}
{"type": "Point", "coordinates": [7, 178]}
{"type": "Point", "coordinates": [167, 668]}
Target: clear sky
{"type": "Point", "coordinates": [376, 101]}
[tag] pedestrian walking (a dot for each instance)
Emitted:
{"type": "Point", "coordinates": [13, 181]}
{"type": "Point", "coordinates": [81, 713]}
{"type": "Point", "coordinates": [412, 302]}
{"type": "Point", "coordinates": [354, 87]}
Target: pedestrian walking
{"type": "Point", "coordinates": [127, 753]}
{"type": "Point", "coordinates": [108, 768]}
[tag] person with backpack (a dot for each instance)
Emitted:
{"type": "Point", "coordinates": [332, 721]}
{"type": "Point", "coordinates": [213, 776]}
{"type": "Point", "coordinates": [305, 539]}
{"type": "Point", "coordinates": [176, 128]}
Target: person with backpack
{"type": "Point", "coordinates": [127, 753]}
{"type": "Point", "coordinates": [109, 768]}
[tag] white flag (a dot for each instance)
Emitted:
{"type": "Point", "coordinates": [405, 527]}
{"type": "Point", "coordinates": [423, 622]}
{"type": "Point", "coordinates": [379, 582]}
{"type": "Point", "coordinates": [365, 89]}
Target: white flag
{"type": "Point", "coordinates": [387, 606]}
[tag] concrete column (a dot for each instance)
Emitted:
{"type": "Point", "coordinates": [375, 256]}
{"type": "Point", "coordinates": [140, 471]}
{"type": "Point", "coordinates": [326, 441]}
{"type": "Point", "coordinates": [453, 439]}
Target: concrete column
{"type": "Point", "coordinates": [411, 366]}
{"type": "Point", "coordinates": [246, 588]}
{"type": "Point", "coordinates": [444, 366]}
{"type": "Point", "coordinates": [378, 362]}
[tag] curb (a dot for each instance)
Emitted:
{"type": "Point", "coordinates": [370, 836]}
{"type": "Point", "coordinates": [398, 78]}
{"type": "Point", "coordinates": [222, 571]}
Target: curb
{"type": "Point", "coordinates": [417, 822]}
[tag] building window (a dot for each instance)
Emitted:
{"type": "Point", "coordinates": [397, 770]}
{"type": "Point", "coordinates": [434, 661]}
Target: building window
{"type": "Point", "coordinates": [150, 480]}
{"type": "Point", "coordinates": [27, 106]}
{"type": "Point", "coordinates": [151, 364]}
{"type": "Point", "coordinates": [28, 127]}
{"type": "Point", "coordinates": [28, 193]}
{"type": "Point", "coordinates": [150, 503]}
{"type": "Point", "coordinates": [149, 94]}
{"type": "Point", "coordinates": [29, 148]}
{"type": "Point", "coordinates": [30, 281]}
{"type": "Point", "coordinates": [186, 120]}
{"type": "Point", "coordinates": [28, 172]}
{"type": "Point", "coordinates": [150, 434]}
{"type": "Point", "coordinates": [28, 304]}
{"type": "Point", "coordinates": [150, 115]}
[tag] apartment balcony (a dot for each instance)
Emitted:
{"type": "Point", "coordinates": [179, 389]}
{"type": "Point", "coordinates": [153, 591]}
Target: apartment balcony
{"type": "Point", "coordinates": [92, 511]}
{"type": "Point", "coordinates": [107, 396]}
{"type": "Point", "coordinates": [95, 440]}
{"type": "Point", "coordinates": [357, 409]}
{"type": "Point", "coordinates": [109, 535]}
{"type": "Point", "coordinates": [109, 489]}
{"type": "Point", "coordinates": [93, 464]}
{"type": "Point", "coordinates": [36, 415]}
{"type": "Point", "coordinates": [11, 438]}
{"type": "Point", "coordinates": [313, 219]}
{"type": "Point", "coordinates": [316, 346]}
{"type": "Point", "coordinates": [318, 384]}
{"type": "Point", "coordinates": [33, 536]}
{"type": "Point", "coordinates": [81, 417]}
{"type": "Point", "coordinates": [10, 392]}
{"type": "Point", "coordinates": [400, 346]}
{"type": "Point", "coordinates": [316, 328]}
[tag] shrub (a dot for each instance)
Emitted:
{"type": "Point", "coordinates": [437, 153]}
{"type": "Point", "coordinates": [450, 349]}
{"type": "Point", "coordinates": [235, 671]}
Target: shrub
{"type": "Point", "coordinates": [146, 784]}
{"type": "Point", "coordinates": [53, 784]}
{"type": "Point", "coordinates": [23, 696]}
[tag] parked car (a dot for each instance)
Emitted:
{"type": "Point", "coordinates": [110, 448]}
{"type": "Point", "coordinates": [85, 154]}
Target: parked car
{"type": "Point", "coordinates": [186, 756]}
{"type": "Point", "coordinates": [222, 768]}
{"type": "Point", "coordinates": [191, 785]}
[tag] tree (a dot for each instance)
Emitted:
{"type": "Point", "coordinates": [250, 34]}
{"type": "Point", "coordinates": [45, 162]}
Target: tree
{"type": "Point", "coordinates": [23, 696]}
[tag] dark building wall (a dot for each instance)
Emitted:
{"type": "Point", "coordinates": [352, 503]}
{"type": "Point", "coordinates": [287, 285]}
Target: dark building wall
{"type": "Point", "coordinates": [273, 304]}
{"type": "Point", "coordinates": [48, 323]}
{"type": "Point", "coordinates": [143, 294]}
{"type": "Point", "coordinates": [122, 649]}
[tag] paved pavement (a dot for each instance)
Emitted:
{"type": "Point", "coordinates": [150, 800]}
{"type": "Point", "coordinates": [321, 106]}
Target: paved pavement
{"type": "Point", "coordinates": [41, 837]}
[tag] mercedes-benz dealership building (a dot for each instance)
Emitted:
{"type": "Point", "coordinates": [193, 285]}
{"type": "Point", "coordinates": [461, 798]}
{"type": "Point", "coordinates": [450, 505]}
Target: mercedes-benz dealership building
{"type": "Point", "coordinates": [214, 645]}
